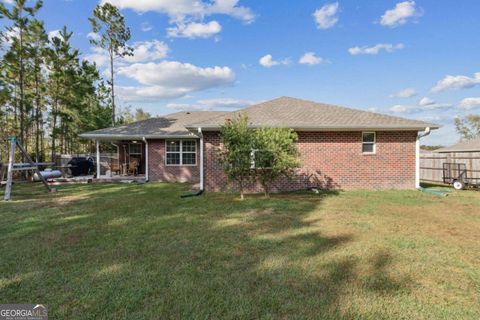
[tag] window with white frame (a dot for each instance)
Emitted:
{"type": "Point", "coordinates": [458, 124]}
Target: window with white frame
{"type": "Point", "coordinates": [261, 159]}
{"type": "Point", "coordinates": [181, 152]}
{"type": "Point", "coordinates": [368, 142]}
{"type": "Point", "coordinates": [135, 149]}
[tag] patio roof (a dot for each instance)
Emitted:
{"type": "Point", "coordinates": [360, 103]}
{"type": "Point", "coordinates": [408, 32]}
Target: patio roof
{"type": "Point", "coordinates": [168, 126]}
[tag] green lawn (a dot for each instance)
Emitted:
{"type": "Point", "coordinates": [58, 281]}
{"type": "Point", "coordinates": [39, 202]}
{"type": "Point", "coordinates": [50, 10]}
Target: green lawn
{"type": "Point", "coordinates": [130, 251]}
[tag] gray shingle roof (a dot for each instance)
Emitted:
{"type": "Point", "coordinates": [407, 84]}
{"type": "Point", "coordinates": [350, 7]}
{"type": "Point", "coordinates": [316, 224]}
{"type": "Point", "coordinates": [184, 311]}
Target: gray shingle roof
{"type": "Point", "coordinates": [282, 112]}
{"type": "Point", "coordinates": [302, 114]}
{"type": "Point", "coordinates": [171, 125]}
{"type": "Point", "coordinates": [472, 145]}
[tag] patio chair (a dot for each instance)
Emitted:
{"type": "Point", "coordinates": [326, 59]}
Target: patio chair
{"type": "Point", "coordinates": [133, 167]}
{"type": "Point", "coordinates": [115, 167]}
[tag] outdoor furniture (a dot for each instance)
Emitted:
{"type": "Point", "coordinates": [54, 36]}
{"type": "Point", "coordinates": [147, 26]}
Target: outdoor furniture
{"type": "Point", "coordinates": [115, 167]}
{"type": "Point", "coordinates": [133, 167]}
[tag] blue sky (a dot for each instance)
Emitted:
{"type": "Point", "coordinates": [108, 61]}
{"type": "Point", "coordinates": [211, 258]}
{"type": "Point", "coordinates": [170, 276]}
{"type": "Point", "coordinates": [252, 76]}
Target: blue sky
{"type": "Point", "coordinates": [414, 59]}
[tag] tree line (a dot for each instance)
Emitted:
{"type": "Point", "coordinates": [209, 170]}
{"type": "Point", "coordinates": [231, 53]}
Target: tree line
{"type": "Point", "coordinates": [48, 93]}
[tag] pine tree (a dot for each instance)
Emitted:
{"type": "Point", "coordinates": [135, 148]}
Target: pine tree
{"type": "Point", "coordinates": [114, 35]}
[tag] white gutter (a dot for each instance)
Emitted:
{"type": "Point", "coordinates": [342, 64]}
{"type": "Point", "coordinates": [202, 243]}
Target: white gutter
{"type": "Point", "coordinates": [417, 156]}
{"type": "Point", "coordinates": [146, 158]}
{"type": "Point", "coordinates": [200, 134]}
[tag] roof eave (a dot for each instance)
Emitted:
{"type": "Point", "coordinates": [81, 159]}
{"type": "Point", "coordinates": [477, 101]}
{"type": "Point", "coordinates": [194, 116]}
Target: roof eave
{"type": "Point", "coordinates": [111, 137]}
{"type": "Point", "coordinates": [325, 128]}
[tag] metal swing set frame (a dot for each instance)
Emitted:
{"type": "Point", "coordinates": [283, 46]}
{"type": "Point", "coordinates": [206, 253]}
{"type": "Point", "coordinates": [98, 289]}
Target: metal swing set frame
{"type": "Point", "coordinates": [12, 166]}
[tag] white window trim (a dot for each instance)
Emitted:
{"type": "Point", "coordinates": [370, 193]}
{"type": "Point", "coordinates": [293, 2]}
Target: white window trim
{"type": "Point", "coordinates": [252, 160]}
{"type": "Point", "coordinates": [135, 154]}
{"type": "Point", "coordinates": [374, 143]}
{"type": "Point", "coordinates": [181, 153]}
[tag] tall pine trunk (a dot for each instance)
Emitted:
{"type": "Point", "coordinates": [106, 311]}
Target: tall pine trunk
{"type": "Point", "coordinates": [112, 87]}
{"type": "Point", "coordinates": [37, 115]}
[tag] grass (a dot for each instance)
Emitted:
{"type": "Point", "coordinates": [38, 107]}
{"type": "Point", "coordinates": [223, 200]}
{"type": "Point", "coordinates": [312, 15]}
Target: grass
{"type": "Point", "coordinates": [129, 251]}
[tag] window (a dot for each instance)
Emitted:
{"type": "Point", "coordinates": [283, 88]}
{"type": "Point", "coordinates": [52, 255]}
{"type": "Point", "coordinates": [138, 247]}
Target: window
{"type": "Point", "coordinates": [135, 149]}
{"type": "Point", "coordinates": [261, 159]}
{"type": "Point", "coordinates": [368, 142]}
{"type": "Point", "coordinates": [181, 152]}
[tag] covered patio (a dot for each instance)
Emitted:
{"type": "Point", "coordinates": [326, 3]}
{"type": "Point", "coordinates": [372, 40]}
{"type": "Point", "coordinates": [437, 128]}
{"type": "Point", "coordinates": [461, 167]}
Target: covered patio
{"type": "Point", "coordinates": [127, 160]}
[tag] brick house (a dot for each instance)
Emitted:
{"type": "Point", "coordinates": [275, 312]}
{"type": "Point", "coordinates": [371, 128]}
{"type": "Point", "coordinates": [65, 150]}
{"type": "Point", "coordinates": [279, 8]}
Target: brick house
{"type": "Point", "coordinates": [339, 147]}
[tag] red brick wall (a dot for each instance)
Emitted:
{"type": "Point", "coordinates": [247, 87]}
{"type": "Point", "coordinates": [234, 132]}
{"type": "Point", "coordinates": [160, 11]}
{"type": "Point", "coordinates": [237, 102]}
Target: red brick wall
{"type": "Point", "coordinates": [159, 171]}
{"type": "Point", "coordinates": [334, 160]}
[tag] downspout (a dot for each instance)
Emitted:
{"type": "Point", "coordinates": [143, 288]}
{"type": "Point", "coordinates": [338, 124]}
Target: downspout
{"type": "Point", "coordinates": [146, 158]}
{"type": "Point", "coordinates": [202, 184]}
{"type": "Point", "coordinates": [417, 156]}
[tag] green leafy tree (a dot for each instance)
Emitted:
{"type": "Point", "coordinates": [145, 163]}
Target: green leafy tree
{"type": "Point", "coordinates": [62, 62]}
{"type": "Point", "coordinates": [20, 16]}
{"type": "Point", "coordinates": [469, 126]}
{"type": "Point", "coordinates": [275, 154]}
{"type": "Point", "coordinates": [109, 24]}
{"type": "Point", "coordinates": [235, 156]}
{"type": "Point", "coordinates": [140, 115]}
{"type": "Point", "coordinates": [38, 40]}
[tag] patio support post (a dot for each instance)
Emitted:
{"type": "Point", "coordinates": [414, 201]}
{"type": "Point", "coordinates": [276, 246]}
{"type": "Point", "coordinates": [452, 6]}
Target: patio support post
{"type": "Point", "coordinates": [146, 158]}
{"type": "Point", "coordinates": [98, 158]}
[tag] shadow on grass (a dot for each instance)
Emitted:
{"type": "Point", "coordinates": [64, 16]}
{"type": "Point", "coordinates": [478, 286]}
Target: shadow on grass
{"type": "Point", "coordinates": [139, 251]}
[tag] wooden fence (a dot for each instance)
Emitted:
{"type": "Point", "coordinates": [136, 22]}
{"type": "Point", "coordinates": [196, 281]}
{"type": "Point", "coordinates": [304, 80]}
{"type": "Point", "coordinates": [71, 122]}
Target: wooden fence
{"type": "Point", "coordinates": [431, 164]}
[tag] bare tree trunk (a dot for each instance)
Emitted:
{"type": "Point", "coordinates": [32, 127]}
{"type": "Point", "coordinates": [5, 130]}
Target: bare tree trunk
{"type": "Point", "coordinates": [112, 85]}
{"type": "Point", "coordinates": [22, 94]}
{"type": "Point", "coordinates": [37, 117]}
{"type": "Point", "coordinates": [54, 127]}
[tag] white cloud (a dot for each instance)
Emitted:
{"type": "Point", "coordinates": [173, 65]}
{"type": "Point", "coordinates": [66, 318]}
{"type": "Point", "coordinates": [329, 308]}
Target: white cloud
{"type": "Point", "coordinates": [148, 51]}
{"type": "Point", "coordinates": [437, 106]}
{"type": "Point", "coordinates": [181, 10]}
{"type": "Point", "coordinates": [93, 36]}
{"type": "Point", "coordinates": [311, 59]}
{"type": "Point", "coordinates": [399, 108]}
{"type": "Point", "coordinates": [171, 79]}
{"type": "Point", "coordinates": [327, 16]}
{"type": "Point", "coordinates": [194, 30]}
{"type": "Point", "coordinates": [146, 26]}
{"type": "Point", "coordinates": [148, 93]}
{"type": "Point", "coordinates": [456, 82]}
{"type": "Point", "coordinates": [426, 101]}
{"type": "Point", "coordinates": [144, 51]}
{"type": "Point", "coordinates": [470, 103]}
{"type": "Point", "coordinates": [376, 49]}
{"type": "Point", "coordinates": [399, 15]}
{"type": "Point", "coordinates": [211, 104]}
{"type": "Point", "coordinates": [177, 74]}
{"type": "Point", "coordinates": [7, 1]}
{"type": "Point", "coordinates": [98, 56]}
{"type": "Point", "coordinates": [267, 61]}
{"type": "Point", "coordinates": [54, 33]}
{"type": "Point", "coordinates": [405, 93]}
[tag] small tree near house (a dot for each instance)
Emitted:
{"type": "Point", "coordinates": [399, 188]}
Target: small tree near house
{"type": "Point", "coordinates": [237, 141]}
{"type": "Point", "coordinates": [250, 154]}
{"type": "Point", "coordinates": [275, 154]}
